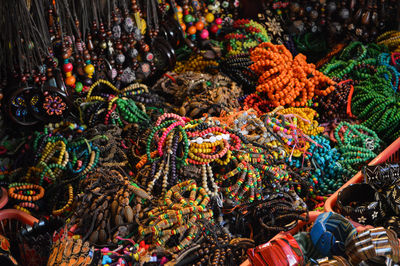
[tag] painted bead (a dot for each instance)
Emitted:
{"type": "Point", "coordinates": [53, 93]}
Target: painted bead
{"type": "Point", "coordinates": [209, 17]}
{"type": "Point", "coordinates": [191, 30]}
{"type": "Point", "coordinates": [78, 87]}
{"type": "Point", "coordinates": [70, 81]}
{"type": "Point", "coordinates": [199, 25]}
{"type": "Point", "coordinates": [89, 69]}
{"type": "Point", "coordinates": [68, 67]}
{"type": "Point", "coordinates": [204, 34]}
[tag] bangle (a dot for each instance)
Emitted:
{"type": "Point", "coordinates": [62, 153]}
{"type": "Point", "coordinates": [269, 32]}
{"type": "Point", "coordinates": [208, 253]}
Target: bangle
{"type": "Point", "coordinates": [374, 245]}
{"type": "Point", "coordinates": [393, 223]}
{"type": "Point", "coordinates": [336, 260]}
{"type": "Point", "coordinates": [392, 197]}
{"type": "Point", "coordinates": [361, 203]}
{"type": "Point", "coordinates": [330, 233]}
{"type": "Point", "coordinates": [277, 252]}
{"type": "Point", "coordinates": [381, 176]}
{"type": "Point", "coordinates": [310, 252]}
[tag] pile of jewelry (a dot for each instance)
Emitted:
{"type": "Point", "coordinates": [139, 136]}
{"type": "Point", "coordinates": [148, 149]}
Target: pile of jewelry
{"type": "Point", "coordinates": [199, 132]}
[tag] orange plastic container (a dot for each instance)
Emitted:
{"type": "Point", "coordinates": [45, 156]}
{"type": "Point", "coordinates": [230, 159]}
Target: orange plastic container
{"type": "Point", "coordinates": [390, 154]}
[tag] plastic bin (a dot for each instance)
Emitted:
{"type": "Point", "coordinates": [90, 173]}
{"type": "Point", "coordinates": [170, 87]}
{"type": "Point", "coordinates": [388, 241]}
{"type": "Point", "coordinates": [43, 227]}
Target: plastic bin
{"type": "Point", "coordinates": [390, 154]}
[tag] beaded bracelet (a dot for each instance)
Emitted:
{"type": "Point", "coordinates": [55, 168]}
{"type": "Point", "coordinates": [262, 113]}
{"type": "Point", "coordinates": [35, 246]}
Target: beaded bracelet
{"type": "Point", "coordinates": [390, 39]}
{"type": "Point", "coordinates": [285, 80]}
{"type": "Point", "coordinates": [54, 155]}
{"type": "Point", "coordinates": [26, 192]}
{"type": "Point", "coordinates": [326, 177]}
{"type": "Point", "coordinates": [176, 215]}
{"type": "Point", "coordinates": [69, 202]}
{"type": "Point", "coordinates": [356, 147]}
{"type": "Point", "coordinates": [120, 107]}
{"type": "Point", "coordinates": [247, 35]}
{"type": "Point", "coordinates": [375, 102]}
{"type": "Point", "coordinates": [304, 120]}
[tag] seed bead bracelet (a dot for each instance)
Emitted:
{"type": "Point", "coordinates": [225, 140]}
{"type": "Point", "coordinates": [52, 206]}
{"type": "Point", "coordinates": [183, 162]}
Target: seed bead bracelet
{"type": "Point", "coordinates": [356, 147]}
{"type": "Point", "coordinates": [293, 85]}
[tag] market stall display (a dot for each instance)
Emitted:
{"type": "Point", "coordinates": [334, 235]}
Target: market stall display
{"type": "Point", "coordinates": [199, 132]}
